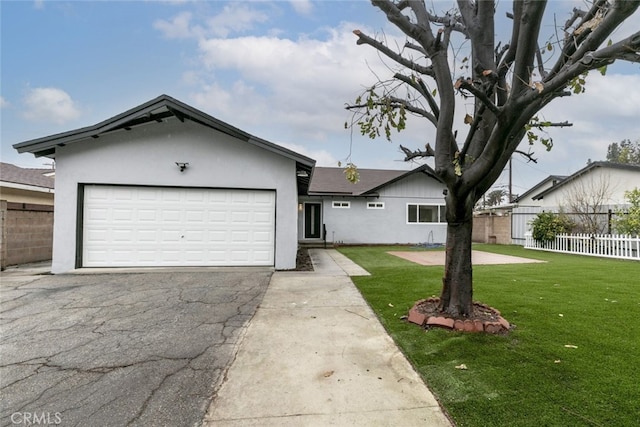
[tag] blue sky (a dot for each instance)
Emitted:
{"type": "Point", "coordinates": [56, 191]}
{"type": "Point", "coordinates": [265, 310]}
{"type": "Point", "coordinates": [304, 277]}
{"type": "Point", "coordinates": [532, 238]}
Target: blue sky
{"type": "Point", "coordinates": [281, 70]}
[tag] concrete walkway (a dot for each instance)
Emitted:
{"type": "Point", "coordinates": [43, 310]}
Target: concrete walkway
{"type": "Point", "coordinates": [316, 355]}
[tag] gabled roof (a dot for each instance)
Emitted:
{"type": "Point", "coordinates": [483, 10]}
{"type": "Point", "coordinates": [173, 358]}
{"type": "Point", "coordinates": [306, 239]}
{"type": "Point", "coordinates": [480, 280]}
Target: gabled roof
{"type": "Point", "coordinates": [158, 109]}
{"type": "Point", "coordinates": [555, 179]}
{"type": "Point", "coordinates": [26, 176]}
{"type": "Point", "coordinates": [332, 181]}
{"type": "Point", "coordinates": [585, 170]}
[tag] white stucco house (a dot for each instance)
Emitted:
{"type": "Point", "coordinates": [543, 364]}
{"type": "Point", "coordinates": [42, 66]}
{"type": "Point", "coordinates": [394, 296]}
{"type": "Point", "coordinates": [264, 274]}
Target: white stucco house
{"type": "Point", "coordinates": [164, 184]}
{"type": "Point", "coordinates": [601, 183]}
{"type": "Point", "coordinates": [527, 198]}
{"type": "Point", "coordinates": [611, 179]}
{"type": "Point", "coordinates": [384, 207]}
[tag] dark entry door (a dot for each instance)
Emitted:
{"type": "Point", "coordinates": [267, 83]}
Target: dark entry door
{"type": "Point", "coordinates": [312, 220]}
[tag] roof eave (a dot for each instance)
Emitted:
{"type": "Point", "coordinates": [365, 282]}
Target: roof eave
{"type": "Point", "coordinates": [46, 146]}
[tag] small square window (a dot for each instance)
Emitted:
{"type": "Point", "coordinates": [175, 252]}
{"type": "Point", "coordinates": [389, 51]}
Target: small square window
{"type": "Point", "coordinates": [341, 205]}
{"type": "Point", "coordinates": [375, 205]}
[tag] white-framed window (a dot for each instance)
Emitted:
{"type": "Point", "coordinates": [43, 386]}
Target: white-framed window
{"type": "Point", "coordinates": [418, 213]}
{"type": "Point", "coordinates": [375, 205]}
{"type": "Point", "coordinates": [341, 205]}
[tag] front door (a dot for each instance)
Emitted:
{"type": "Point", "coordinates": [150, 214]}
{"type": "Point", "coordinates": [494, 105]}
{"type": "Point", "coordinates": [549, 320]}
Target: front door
{"type": "Point", "coordinates": [312, 220]}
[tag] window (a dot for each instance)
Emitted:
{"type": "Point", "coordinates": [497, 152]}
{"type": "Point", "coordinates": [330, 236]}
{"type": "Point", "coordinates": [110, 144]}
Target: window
{"type": "Point", "coordinates": [341, 205]}
{"type": "Point", "coordinates": [375, 205]}
{"type": "Point", "coordinates": [417, 213]}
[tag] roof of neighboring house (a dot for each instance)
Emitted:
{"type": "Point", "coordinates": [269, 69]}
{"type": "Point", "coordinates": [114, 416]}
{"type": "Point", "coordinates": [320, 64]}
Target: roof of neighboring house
{"type": "Point", "coordinates": [158, 109]}
{"type": "Point", "coordinates": [585, 170]}
{"type": "Point", "coordinates": [333, 182]}
{"type": "Point", "coordinates": [26, 176]}
{"type": "Point", "coordinates": [535, 188]}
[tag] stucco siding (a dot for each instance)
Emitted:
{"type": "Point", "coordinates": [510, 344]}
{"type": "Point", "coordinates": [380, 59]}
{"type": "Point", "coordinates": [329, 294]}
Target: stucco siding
{"type": "Point", "coordinates": [359, 225]}
{"type": "Point", "coordinates": [16, 195]}
{"type": "Point", "coordinates": [616, 182]}
{"type": "Point", "coordinates": [147, 155]}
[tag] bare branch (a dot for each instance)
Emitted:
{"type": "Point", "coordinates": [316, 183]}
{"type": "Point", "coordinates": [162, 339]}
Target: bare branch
{"type": "Point", "coordinates": [541, 70]}
{"type": "Point", "coordinates": [527, 44]}
{"type": "Point", "coordinates": [540, 125]}
{"type": "Point", "coordinates": [627, 50]}
{"type": "Point", "coordinates": [419, 85]}
{"type": "Point", "coordinates": [602, 22]}
{"type": "Point", "coordinates": [432, 102]}
{"type": "Point", "coordinates": [577, 13]}
{"type": "Point", "coordinates": [420, 33]}
{"type": "Point", "coordinates": [468, 85]}
{"type": "Point", "coordinates": [416, 48]}
{"type": "Point", "coordinates": [529, 156]}
{"type": "Point", "coordinates": [410, 154]}
{"type": "Point", "coordinates": [364, 39]}
{"type": "Point", "coordinates": [572, 41]}
{"type": "Point", "coordinates": [396, 103]}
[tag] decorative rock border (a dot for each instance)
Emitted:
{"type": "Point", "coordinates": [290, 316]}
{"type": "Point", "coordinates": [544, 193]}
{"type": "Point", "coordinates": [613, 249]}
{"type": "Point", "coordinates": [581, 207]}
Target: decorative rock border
{"type": "Point", "coordinates": [496, 325]}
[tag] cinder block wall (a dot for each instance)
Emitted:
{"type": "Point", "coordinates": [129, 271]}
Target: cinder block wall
{"type": "Point", "coordinates": [27, 233]}
{"type": "Point", "coordinates": [492, 229]}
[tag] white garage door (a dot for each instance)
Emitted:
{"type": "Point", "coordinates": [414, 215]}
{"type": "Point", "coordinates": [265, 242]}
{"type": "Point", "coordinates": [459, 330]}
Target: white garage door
{"type": "Point", "coordinates": [157, 226]}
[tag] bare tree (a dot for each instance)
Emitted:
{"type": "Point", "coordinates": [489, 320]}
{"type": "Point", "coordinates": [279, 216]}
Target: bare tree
{"type": "Point", "coordinates": [508, 83]}
{"type": "Point", "coordinates": [585, 201]}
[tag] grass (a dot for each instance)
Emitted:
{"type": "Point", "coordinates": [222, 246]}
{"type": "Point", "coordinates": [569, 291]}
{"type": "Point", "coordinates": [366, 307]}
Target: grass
{"type": "Point", "coordinates": [529, 377]}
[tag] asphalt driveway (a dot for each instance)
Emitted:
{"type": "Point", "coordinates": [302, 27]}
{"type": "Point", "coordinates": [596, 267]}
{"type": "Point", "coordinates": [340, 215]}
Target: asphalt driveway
{"type": "Point", "coordinates": [121, 349]}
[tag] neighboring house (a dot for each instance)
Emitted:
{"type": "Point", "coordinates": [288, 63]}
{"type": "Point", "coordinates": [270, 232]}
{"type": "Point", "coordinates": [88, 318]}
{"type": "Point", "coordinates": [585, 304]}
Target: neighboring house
{"type": "Point", "coordinates": [527, 198]}
{"type": "Point", "coordinates": [611, 179]}
{"type": "Point", "coordinates": [26, 185]}
{"type": "Point", "coordinates": [26, 214]}
{"type": "Point", "coordinates": [384, 207]}
{"type": "Point", "coordinates": [164, 184]}
{"type": "Point", "coordinates": [602, 183]}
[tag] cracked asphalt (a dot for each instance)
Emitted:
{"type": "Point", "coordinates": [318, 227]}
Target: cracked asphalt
{"type": "Point", "coordinates": [145, 349]}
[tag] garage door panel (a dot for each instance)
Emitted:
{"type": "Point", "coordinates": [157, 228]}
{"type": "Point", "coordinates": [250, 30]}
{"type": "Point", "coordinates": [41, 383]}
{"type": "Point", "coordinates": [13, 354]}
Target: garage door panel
{"type": "Point", "coordinates": [131, 226]}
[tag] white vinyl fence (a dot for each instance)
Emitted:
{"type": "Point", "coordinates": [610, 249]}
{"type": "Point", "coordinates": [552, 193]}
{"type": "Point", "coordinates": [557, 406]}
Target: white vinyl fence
{"type": "Point", "coordinates": [602, 245]}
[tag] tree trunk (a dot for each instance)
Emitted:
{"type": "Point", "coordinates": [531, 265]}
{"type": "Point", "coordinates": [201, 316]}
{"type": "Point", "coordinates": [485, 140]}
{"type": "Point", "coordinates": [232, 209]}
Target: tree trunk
{"type": "Point", "coordinates": [456, 299]}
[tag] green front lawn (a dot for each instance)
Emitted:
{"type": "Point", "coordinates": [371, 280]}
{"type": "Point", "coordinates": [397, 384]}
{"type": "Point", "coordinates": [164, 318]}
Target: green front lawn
{"type": "Point", "coordinates": [530, 377]}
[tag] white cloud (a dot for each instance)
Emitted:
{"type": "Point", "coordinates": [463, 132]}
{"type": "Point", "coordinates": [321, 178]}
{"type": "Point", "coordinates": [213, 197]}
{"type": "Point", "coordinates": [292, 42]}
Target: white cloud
{"type": "Point", "coordinates": [3, 102]}
{"type": "Point", "coordinates": [293, 92]}
{"type": "Point", "coordinates": [178, 28]}
{"type": "Point", "coordinates": [50, 104]}
{"type": "Point", "coordinates": [303, 7]}
{"type": "Point", "coordinates": [304, 83]}
{"type": "Point", "coordinates": [322, 157]}
{"type": "Point", "coordinates": [234, 18]}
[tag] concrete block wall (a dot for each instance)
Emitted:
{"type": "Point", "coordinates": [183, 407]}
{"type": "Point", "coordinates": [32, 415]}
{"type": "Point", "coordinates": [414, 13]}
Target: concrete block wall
{"type": "Point", "coordinates": [26, 233]}
{"type": "Point", "coordinates": [492, 229]}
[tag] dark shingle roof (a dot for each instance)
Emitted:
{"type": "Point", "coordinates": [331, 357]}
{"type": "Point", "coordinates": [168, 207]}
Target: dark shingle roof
{"type": "Point", "coordinates": [26, 176]}
{"type": "Point", "coordinates": [332, 181]}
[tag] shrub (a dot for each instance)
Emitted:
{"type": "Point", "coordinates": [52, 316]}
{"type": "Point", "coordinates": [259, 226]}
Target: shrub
{"type": "Point", "coordinates": [629, 223]}
{"type": "Point", "coordinates": [547, 225]}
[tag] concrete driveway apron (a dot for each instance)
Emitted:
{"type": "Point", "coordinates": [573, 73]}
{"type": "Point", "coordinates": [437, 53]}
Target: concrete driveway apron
{"type": "Point", "coordinates": [124, 349]}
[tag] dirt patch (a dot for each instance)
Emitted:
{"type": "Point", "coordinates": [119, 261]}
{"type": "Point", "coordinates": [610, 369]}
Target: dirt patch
{"type": "Point", "coordinates": [477, 258]}
{"type": "Point", "coordinates": [303, 260]}
{"type": "Point", "coordinates": [426, 313]}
